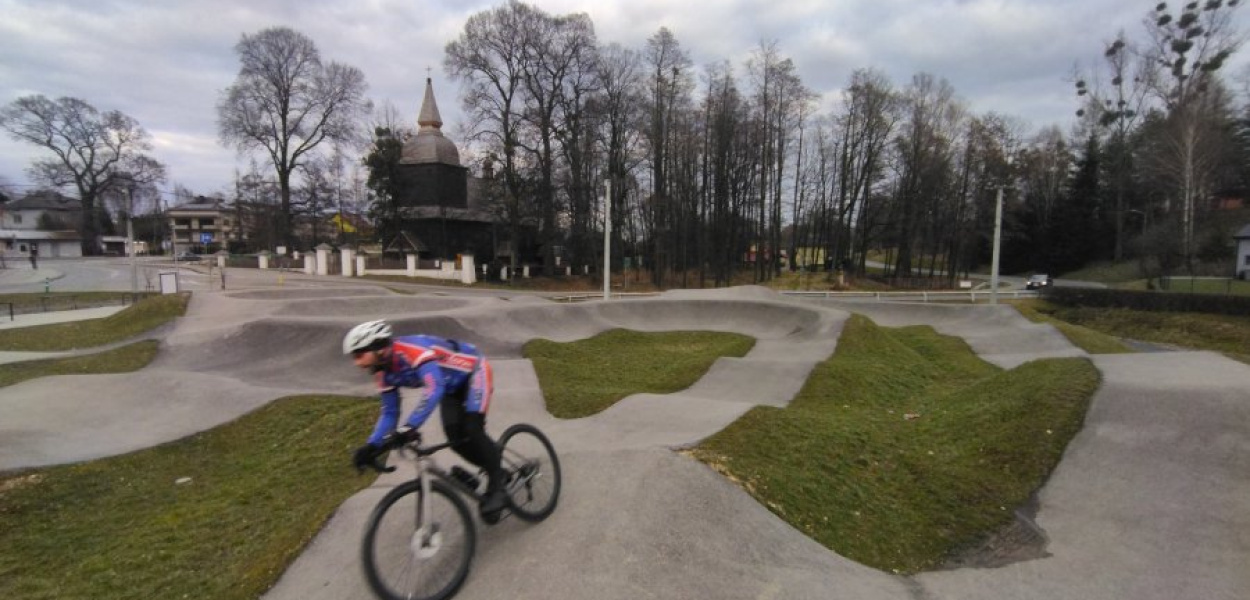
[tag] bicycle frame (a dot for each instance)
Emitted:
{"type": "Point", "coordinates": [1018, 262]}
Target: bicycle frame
{"type": "Point", "coordinates": [426, 467]}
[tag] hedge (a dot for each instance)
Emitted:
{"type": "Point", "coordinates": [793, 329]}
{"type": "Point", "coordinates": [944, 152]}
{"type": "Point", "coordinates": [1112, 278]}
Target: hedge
{"type": "Point", "coordinates": [1150, 301]}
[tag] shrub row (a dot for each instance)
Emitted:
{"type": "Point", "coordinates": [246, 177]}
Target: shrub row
{"type": "Point", "coordinates": [1150, 301]}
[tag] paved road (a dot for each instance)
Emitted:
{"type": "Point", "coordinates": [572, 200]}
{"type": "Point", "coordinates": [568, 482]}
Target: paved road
{"type": "Point", "coordinates": [1149, 502]}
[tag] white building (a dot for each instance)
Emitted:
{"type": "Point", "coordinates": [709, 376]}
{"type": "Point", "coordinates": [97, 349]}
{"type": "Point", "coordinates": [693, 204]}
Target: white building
{"type": "Point", "coordinates": [43, 223]}
{"type": "Point", "coordinates": [1243, 252]}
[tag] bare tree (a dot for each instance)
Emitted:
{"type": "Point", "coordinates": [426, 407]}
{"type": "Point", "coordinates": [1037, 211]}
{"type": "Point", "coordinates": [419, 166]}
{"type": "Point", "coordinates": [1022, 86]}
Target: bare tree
{"type": "Point", "coordinates": [616, 108]}
{"type": "Point", "coordinates": [1117, 109]}
{"type": "Point", "coordinates": [90, 150]}
{"type": "Point", "coordinates": [925, 153]}
{"type": "Point", "coordinates": [669, 83]}
{"type": "Point", "coordinates": [285, 101]}
{"type": "Point", "coordinates": [1186, 50]}
{"type": "Point", "coordinates": [489, 58]}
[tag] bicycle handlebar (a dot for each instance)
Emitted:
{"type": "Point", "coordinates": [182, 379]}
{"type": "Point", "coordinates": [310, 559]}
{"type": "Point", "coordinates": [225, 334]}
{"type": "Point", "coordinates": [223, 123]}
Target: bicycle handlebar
{"type": "Point", "coordinates": [399, 442]}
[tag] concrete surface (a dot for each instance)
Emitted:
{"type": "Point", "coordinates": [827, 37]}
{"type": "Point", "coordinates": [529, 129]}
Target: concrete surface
{"type": "Point", "coordinates": [57, 316]}
{"type": "Point", "coordinates": [18, 273]}
{"type": "Point", "coordinates": [1151, 500]}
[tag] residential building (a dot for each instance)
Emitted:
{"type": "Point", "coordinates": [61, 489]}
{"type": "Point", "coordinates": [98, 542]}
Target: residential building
{"type": "Point", "coordinates": [44, 223]}
{"type": "Point", "coordinates": [203, 225]}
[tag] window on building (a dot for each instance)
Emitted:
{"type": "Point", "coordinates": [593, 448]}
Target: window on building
{"type": "Point", "coordinates": [1248, 260]}
{"type": "Point", "coordinates": [206, 222]}
{"type": "Point", "coordinates": [17, 219]}
{"type": "Point", "coordinates": [182, 222]}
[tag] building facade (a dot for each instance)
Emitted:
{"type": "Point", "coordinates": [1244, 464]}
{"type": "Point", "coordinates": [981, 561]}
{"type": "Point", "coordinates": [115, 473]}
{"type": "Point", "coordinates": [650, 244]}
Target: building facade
{"type": "Point", "coordinates": [43, 223]}
{"type": "Point", "coordinates": [201, 226]}
{"type": "Point", "coordinates": [439, 208]}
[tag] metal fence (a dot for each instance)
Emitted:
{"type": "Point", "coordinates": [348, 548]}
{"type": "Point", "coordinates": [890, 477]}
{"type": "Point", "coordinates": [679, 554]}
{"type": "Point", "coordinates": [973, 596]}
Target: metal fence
{"type": "Point", "coordinates": [59, 302]}
{"type": "Point", "coordinates": [969, 297]}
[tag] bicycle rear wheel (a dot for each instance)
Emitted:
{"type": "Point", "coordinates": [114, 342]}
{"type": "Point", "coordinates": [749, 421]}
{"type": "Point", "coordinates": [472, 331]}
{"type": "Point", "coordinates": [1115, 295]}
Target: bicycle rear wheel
{"type": "Point", "coordinates": [533, 472]}
{"type": "Point", "coordinates": [406, 559]}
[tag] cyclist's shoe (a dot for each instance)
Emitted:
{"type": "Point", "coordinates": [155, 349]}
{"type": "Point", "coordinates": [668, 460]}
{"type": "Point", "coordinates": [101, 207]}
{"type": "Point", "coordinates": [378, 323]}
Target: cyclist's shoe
{"type": "Point", "coordinates": [493, 505]}
{"type": "Point", "coordinates": [464, 477]}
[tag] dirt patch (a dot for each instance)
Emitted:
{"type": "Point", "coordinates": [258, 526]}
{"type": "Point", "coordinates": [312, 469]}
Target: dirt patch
{"type": "Point", "coordinates": [1020, 540]}
{"type": "Point", "coordinates": [18, 482]}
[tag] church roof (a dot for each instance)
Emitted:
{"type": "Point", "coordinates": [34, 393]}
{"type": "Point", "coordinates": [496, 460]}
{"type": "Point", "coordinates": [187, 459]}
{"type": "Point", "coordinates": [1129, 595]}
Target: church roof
{"type": "Point", "coordinates": [429, 145]}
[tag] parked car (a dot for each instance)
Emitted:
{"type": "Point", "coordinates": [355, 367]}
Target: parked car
{"type": "Point", "coordinates": [187, 257]}
{"type": "Point", "coordinates": [1039, 281]}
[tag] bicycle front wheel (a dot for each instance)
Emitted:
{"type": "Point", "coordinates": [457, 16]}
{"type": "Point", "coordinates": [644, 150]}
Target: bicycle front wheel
{"type": "Point", "coordinates": [408, 558]}
{"type": "Point", "coordinates": [533, 472]}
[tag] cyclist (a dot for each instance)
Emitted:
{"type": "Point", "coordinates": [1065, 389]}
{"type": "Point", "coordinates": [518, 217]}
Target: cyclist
{"type": "Point", "coordinates": [454, 374]}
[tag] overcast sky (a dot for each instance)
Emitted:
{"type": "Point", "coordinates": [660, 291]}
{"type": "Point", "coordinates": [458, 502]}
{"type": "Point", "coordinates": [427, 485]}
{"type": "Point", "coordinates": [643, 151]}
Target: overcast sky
{"type": "Point", "coordinates": [166, 62]}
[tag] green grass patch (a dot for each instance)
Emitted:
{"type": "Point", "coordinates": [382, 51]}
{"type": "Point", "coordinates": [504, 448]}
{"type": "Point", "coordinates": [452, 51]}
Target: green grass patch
{"type": "Point", "coordinates": [1199, 331]}
{"type": "Point", "coordinates": [1186, 285]}
{"type": "Point", "coordinates": [1106, 272]}
{"type": "Point", "coordinates": [145, 315]}
{"type": "Point", "coordinates": [587, 376]}
{"type": "Point", "coordinates": [130, 357]}
{"type": "Point", "coordinates": [260, 488]}
{"type": "Point", "coordinates": [904, 449]}
{"type": "Point", "coordinates": [1200, 285]}
{"type": "Point", "coordinates": [1089, 340]}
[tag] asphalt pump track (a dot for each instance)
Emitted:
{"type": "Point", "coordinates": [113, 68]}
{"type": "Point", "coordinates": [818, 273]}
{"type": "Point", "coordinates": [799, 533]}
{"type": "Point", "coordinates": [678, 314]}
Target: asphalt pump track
{"type": "Point", "coordinates": [1151, 499]}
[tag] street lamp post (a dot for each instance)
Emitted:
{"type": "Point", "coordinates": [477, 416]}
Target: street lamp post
{"type": "Point", "coordinates": [998, 235]}
{"type": "Point", "coordinates": [607, 238]}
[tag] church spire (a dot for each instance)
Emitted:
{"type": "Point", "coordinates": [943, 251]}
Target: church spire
{"type": "Point", "coordinates": [429, 117]}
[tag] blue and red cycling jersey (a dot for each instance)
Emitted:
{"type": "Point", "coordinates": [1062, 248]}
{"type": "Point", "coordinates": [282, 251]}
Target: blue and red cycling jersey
{"type": "Point", "coordinates": [442, 367]}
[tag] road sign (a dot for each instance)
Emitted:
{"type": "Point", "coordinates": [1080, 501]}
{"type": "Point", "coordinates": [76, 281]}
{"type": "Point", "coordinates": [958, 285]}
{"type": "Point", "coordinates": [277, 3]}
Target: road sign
{"type": "Point", "coordinates": [206, 238]}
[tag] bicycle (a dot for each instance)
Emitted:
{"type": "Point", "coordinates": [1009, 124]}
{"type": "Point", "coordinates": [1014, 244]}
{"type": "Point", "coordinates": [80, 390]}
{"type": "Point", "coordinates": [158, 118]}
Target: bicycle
{"type": "Point", "coordinates": [423, 524]}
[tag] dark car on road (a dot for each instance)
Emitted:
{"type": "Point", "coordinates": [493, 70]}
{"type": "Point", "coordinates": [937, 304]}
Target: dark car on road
{"type": "Point", "coordinates": [1039, 281]}
{"type": "Point", "coordinates": [187, 257]}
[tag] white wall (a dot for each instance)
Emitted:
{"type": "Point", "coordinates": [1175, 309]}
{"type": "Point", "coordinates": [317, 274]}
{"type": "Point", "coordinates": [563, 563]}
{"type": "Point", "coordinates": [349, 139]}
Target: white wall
{"type": "Point", "coordinates": [1243, 257]}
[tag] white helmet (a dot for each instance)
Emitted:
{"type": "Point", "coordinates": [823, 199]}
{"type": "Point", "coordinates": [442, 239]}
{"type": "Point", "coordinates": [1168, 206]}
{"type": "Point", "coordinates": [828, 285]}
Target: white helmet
{"type": "Point", "coordinates": [367, 336]}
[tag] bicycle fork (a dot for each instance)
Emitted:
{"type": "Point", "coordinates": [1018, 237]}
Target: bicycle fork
{"type": "Point", "coordinates": [427, 539]}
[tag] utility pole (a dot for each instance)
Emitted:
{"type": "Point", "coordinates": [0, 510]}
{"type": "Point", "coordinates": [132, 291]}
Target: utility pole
{"type": "Point", "coordinates": [998, 234]}
{"type": "Point", "coordinates": [607, 238]}
{"type": "Point", "coordinates": [130, 236]}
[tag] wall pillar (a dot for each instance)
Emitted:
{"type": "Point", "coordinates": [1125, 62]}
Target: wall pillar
{"type": "Point", "coordinates": [347, 261]}
{"type": "Point", "coordinates": [467, 274]}
{"type": "Point", "coordinates": [323, 259]}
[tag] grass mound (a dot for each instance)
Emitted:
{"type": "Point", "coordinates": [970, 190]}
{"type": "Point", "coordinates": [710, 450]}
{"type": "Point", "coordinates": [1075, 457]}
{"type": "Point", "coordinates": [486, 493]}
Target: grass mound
{"type": "Point", "coordinates": [259, 489]}
{"type": "Point", "coordinates": [130, 357]}
{"type": "Point", "coordinates": [587, 376]}
{"type": "Point", "coordinates": [904, 448]}
{"type": "Point", "coordinates": [145, 315]}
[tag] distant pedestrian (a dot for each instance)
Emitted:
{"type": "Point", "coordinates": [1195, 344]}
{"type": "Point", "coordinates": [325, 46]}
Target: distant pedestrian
{"type": "Point", "coordinates": [34, 256]}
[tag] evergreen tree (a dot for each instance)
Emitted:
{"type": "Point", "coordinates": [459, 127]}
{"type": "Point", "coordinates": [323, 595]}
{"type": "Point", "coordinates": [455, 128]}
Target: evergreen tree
{"type": "Point", "coordinates": [384, 182]}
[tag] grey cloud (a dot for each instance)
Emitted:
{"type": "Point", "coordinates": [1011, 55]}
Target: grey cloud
{"type": "Point", "coordinates": [165, 63]}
